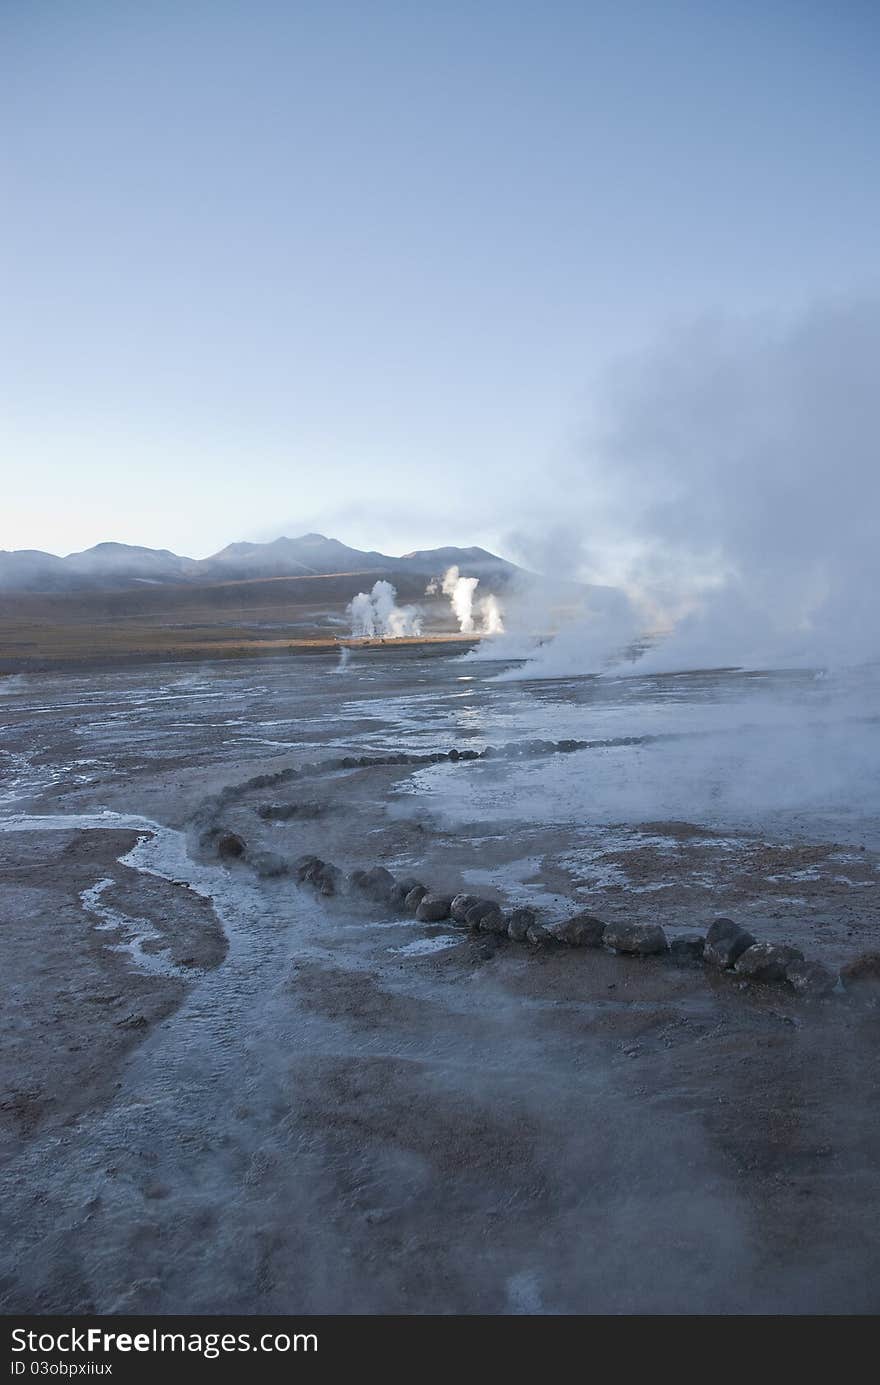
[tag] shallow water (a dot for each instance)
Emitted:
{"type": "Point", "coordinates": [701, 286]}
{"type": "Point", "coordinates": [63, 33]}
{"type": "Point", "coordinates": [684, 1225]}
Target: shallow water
{"type": "Point", "coordinates": [739, 748]}
{"type": "Point", "coordinates": [333, 1117]}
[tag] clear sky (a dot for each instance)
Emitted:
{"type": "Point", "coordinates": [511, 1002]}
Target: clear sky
{"type": "Point", "coordinates": [271, 266]}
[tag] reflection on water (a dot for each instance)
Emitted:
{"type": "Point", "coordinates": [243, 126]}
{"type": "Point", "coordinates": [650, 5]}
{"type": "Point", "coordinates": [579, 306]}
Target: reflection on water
{"type": "Point", "coordinates": [731, 747]}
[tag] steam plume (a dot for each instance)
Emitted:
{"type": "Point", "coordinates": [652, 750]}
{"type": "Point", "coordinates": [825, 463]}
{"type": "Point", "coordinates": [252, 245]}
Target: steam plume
{"type": "Point", "coordinates": [461, 592]}
{"type": "Point", "coordinates": [377, 614]}
{"type": "Point", "coordinates": [730, 490]}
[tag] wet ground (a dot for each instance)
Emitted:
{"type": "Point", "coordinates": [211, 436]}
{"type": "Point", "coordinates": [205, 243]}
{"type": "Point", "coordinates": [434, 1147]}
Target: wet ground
{"type": "Point", "coordinates": [226, 1094]}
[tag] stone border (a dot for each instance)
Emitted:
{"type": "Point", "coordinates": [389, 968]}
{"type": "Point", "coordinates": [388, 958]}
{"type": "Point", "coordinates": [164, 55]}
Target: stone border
{"type": "Point", "coordinates": [726, 946]}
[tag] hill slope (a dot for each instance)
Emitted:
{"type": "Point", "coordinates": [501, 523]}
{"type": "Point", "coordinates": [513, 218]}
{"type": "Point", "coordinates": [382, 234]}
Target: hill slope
{"type": "Point", "coordinates": [120, 567]}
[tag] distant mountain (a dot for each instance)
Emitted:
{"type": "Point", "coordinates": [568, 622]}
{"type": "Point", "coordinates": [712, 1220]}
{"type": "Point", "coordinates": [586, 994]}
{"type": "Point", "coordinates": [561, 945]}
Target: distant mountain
{"type": "Point", "coordinates": [119, 566]}
{"type": "Point", "coordinates": [108, 563]}
{"type": "Point", "coordinates": [471, 562]}
{"type": "Point", "coordinates": [303, 557]}
{"type": "Point", "coordinates": [28, 570]}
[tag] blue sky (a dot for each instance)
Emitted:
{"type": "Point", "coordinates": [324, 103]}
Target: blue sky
{"type": "Point", "coordinates": [269, 267]}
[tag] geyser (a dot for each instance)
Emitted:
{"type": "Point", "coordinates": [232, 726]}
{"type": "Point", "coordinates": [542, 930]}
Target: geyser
{"type": "Point", "coordinates": [474, 617]}
{"type": "Point", "coordinates": [377, 614]}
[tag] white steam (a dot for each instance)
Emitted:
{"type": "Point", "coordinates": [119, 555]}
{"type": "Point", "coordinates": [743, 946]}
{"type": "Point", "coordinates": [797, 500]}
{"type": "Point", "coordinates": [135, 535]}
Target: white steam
{"type": "Point", "coordinates": [377, 614]}
{"type": "Point", "coordinates": [460, 591]}
{"type": "Point", "coordinates": [483, 616]}
{"type": "Point", "coordinates": [491, 615]}
{"type": "Point", "coordinates": [731, 491]}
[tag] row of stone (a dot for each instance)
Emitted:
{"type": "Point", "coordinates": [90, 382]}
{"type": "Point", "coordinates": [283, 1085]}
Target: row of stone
{"type": "Point", "coordinates": [515, 750]}
{"type": "Point", "coordinates": [726, 945]}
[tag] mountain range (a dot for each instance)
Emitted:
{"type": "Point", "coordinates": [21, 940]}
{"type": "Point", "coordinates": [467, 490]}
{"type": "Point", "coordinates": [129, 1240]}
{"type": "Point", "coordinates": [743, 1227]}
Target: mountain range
{"type": "Point", "coordinates": [120, 566]}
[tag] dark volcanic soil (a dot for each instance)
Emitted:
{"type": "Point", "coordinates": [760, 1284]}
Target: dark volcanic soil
{"type": "Point", "coordinates": [225, 1094]}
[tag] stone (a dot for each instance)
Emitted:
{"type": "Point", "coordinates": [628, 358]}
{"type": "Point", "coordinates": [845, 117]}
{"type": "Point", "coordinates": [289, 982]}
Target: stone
{"type": "Point", "coordinates": [477, 912]}
{"type": "Point", "coordinates": [230, 846]}
{"type": "Point", "coordinates": [519, 923]}
{"type": "Point", "coordinates": [583, 930]}
{"type": "Point", "coordinates": [326, 877]}
{"type": "Point", "coordinates": [460, 905]}
{"type": "Point", "coordinates": [810, 979]}
{"type": "Point", "coordinates": [493, 921]}
{"type": "Point", "coordinates": [401, 888]}
{"type": "Point", "coordinates": [862, 975]}
{"type": "Point", "coordinates": [415, 897]}
{"type": "Point", "coordinates": [377, 883]}
{"type": "Point", "coordinates": [269, 865]}
{"type": "Point", "coordinates": [725, 942]}
{"type": "Point", "coordinates": [433, 908]}
{"type": "Point", "coordinates": [538, 934]}
{"type": "Point", "coordinates": [687, 947]}
{"type": "Point", "coordinates": [303, 865]}
{"type": "Point", "coordinates": [636, 939]}
{"type": "Point", "coordinates": [318, 873]}
{"type": "Point", "coordinates": [766, 961]}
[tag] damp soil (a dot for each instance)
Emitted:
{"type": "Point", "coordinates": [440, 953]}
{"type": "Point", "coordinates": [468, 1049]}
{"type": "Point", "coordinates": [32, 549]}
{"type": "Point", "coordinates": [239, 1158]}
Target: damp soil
{"type": "Point", "coordinates": [226, 1094]}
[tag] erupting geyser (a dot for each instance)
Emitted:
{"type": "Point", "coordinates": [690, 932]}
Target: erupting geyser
{"type": "Point", "coordinates": [474, 617]}
{"type": "Point", "coordinates": [377, 613]}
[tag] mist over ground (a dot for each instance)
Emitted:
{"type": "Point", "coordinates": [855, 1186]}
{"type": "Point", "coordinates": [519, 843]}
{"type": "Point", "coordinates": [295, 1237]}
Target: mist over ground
{"type": "Point", "coordinates": [727, 485]}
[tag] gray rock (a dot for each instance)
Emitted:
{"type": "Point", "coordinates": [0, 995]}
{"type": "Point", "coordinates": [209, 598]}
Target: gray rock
{"type": "Point", "coordinates": [477, 912]}
{"type": "Point", "coordinates": [519, 923]}
{"type": "Point", "coordinates": [326, 878]}
{"type": "Point", "coordinates": [539, 935]}
{"type": "Point", "coordinates": [414, 898]}
{"type": "Point", "coordinates": [230, 846]}
{"type": "Point", "coordinates": [312, 872]}
{"type": "Point", "coordinates": [401, 888]}
{"type": "Point", "coordinates": [810, 979]}
{"type": "Point", "coordinates": [766, 961]}
{"type": "Point", "coordinates": [269, 865]}
{"type": "Point", "coordinates": [304, 865]}
{"type": "Point", "coordinates": [862, 975]}
{"type": "Point", "coordinates": [377, 883]}
{"type": "Point", "coordinates": [725, 942]}
{"type": "Point", "coordinates": [460, 905]}
{"type": "Point", "coordinates": [493, 922]}
{"type": "Point", "coordinates": [687, 947]}
{"type": "Point", "coordinates": [637, 939]}
{"type": "Point", "coordinates": [583, 930]}
{"type": "Point", "coordinates": [433, 908]}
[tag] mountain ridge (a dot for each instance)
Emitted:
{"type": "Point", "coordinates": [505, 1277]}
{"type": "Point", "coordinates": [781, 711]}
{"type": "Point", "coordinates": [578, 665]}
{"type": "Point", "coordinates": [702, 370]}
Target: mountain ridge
{"type": "Point", "coordinates": [111, 566]}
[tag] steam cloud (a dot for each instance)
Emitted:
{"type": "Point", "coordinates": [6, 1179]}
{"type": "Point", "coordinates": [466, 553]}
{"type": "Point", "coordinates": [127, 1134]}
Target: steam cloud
{"type": "Point", "coordinates": [734, 487]}
{"type": "Point", "coordinates": [377, 614]}
{"type": "Point", "coordinates": [482, 616]}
